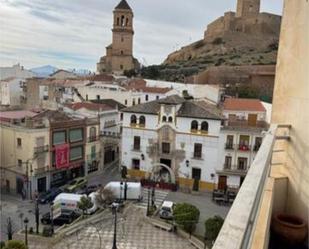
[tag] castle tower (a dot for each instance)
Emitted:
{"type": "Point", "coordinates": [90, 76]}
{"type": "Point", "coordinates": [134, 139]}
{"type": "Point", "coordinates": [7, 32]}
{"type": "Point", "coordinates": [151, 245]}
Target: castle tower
{"type": "Point", "coordinates": [248, 8]}
{"type": "Point", "coordinates": [119, 55]}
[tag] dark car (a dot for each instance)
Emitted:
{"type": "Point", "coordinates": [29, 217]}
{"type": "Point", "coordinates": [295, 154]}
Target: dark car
{"type": "Point", "coordinates": [49, 195]}
{"type": "Point", "coordinates": [66, 217]}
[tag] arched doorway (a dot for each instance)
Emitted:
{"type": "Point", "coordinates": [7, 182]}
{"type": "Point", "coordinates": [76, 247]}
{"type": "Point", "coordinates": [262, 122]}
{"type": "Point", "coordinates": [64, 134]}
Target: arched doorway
{"type": "Point", "coordinates": [155, 171]}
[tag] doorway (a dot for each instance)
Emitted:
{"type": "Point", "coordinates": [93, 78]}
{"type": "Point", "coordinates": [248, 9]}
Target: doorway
{"type": "Point", "coordinates": [42, 184]}
{"type": "Point", "coordinates": [19, 185]}
{"type": "Point", "coordinates": [167, 162]}
{"type": "Point", "coordinates": [222, 183]}
{"type": "Point", "coordinates": [164, 173]}
{"type": "Point", "coordinates": [196, 175]}
{"type": "Point", "coordinates": [7, 186]}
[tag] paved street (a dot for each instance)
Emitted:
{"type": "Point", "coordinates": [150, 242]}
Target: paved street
{"type": "Point", "coordinates": [203, 201]}
{"type": "Point", "coordinates": [133, 233]}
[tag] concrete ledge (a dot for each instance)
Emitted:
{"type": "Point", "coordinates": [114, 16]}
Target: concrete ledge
{"type": "Point", "coordinates": [160, 224]}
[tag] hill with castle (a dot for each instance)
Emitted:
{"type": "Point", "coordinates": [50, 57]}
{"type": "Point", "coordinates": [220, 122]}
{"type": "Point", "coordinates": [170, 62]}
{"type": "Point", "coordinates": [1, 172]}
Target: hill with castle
{"type": "Point", "coordinates": [244, 37]}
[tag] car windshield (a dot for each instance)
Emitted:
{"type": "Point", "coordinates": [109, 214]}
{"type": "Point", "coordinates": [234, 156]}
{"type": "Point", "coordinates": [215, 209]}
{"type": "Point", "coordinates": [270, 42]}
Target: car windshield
{"type": "Point", "coordinates": [72, 182]}
{"type": "Point", "coordinates": [166, 209]}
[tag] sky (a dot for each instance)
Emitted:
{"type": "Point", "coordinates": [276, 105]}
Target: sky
{"type": "Point", "coordinates": [74, 33]}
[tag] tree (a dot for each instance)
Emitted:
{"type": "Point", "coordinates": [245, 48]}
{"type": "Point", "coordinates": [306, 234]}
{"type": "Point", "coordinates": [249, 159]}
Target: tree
{"type": "Point", "coordinates": [212, 227]}
{"type": "Point", "coordinates": [84, 203]}
{"type": "Point", "coordinates": [105, 196]}
{"type": "Point", "coordinates": [186, 215]}
{"type": "Point", "coordinates": [130, 73]}
{"type": "Point", "coordinates": [15, 244]}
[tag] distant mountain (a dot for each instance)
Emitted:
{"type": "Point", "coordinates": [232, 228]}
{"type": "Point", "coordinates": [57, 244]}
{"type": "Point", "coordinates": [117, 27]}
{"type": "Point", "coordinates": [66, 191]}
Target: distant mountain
{"type": "Point", "coordinates": [44, 71]}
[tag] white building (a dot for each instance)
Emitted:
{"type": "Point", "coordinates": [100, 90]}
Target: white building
{"type": "Point", "coordinates": [16, 71]}
{"type": "Point", "coordinates": [181, 134]}
{"type": "Point", "coordinates": [11, 91]}
{"type": "Point", "coordinates": [241, 137]}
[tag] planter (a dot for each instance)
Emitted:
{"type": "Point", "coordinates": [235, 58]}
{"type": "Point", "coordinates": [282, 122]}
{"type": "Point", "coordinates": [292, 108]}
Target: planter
{"type": "Point", "coordinates": [290, 228]}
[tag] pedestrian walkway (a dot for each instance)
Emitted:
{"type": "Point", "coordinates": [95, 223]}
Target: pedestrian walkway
{"type": "Point", "coordinates": [159, 197]}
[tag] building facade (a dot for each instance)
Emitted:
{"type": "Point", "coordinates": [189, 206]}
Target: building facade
{"type": "Point", "coordinates": [240, 139]}
{"type": "Point", "coordinates": [11, 91]}
{"type": "Point", "coordinates": [182, 136]}
{"type": "Point", "coordinates": [119, 55]}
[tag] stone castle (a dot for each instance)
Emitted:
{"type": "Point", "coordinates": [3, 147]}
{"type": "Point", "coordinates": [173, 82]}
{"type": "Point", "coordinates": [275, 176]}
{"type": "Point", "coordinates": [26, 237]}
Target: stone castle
{"type": "Point", "coordinates": [119, 54]}
{"type": "Point", "coordinates": [248, 19]}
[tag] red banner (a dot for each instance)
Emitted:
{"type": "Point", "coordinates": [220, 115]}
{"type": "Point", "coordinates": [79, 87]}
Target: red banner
{"type": "Point", "coordinates": [62, 156]}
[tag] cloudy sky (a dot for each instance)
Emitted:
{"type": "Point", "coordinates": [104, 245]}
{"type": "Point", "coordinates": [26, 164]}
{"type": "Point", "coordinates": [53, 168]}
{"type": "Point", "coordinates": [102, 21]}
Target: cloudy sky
{"type": "Point", "coordinates": [74, 33]}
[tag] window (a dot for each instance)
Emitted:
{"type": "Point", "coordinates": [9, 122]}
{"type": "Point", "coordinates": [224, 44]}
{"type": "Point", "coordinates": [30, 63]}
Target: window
{"type": "Point", "coordinates": [76, 153]}
{"type": "Point", "coordinates": [93, 152]}
{"type": "Point", "coordinates": [19, 142]}
{"type": "Point", "coordinates": [242, 163]}
{"type": "Point", "coordinates": [126, 102]}
{"type": "Point", "coordinates": [121, 52]}
{"type": "Point", "coordinates": [127, 22]}
{"type": "Point", "coordinates": [93, 134]}
{"type": "Point", "coordinates": [117, 21]}
{"type": "Point", "coordinates": [139, 100]}
{"type": "Point", "coordinates": [133, 102]}
{"type": "Point", "coordinates": [87, 97]}
{"type": "Point", "coordinates": [244, 142]}
{"type": "Point", "coordinates": [122, 21]}
{"type": "Point", "coordinates": [98, 97]}
{"type": "Point", "coordinates": [142, 121]}
{"type": "Point", "coordinates": [164, 119]}
{"type": "Point", "coordinates": [133, 120]}
{"type": "Point", "coordinates": [76, 135]}
{"type": "Point", "coordinates": [258, 143]}
{"type": "Point", "coordinates": [59, 137]}
{"type": "Point", "coordinates": [157, 97]}
{"type": "Point", "coordinates": [165, 148]}
{"type": "Point", "coordinates": [204, 127]}
{"type": "Point", "coordinates": [170, 119]}
{"type": "Point", "coordinates": [197, 151]}
{"type": "Point", "coordinates": [229, 142]}
{"type": "Point", "coordinates": [228, 162]}
{"type": "Point", "coordinates": [19, 163]}
{"type": "Point", "coordinates": [146, 97]}
{"type": "Point", "coordinates": [137, 143]}
{"type": "Point", "coordinates": [194, 126]}
{"type": "Point", "coordinates": [135, 164]}
{"type": "Point", "coordinates": [121, 116]}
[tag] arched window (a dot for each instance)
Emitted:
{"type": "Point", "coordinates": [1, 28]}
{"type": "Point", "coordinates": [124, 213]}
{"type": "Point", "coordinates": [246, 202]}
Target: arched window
{"type": "Point", "coordinates": [133, 120]}
{"type": "Point", "coordinates": [194, 125]}
{"type": "Point", "coordinates": [92, 134]}
{"type": "Point", "coordinates": [121, 52]}
{"type": "Point", "coordinates": [204, 127]}
{"type": "Point", "coordinates": [170, 119]}
{"type": "Point", "coordinates": [164, 119]}
{"type": "Point", "coordinates": [146, 97]}
{"type": "Point", "coordinates": [142, 121]}
{"type": "Point", "coordinates": [127, 22]}
{"type": "Point", "coordinates": [117, 21]}
{"type": "Point", "coordinates": [122, 21]}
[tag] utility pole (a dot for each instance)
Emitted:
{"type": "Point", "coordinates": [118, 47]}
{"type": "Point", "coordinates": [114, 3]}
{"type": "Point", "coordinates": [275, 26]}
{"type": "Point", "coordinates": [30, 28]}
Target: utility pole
{"type": "Point", "coordinates": [27, 178]}
{"type": "Point", "coordinates": [148, 204]}
{"type": "Point", "coordinates": [114, 208]}
{"type": "Point", "coordinates": [37, 214]}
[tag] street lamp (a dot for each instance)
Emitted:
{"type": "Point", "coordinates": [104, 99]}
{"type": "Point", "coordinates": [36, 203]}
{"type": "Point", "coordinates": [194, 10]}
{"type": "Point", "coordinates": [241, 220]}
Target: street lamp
{"type": "Point", "coordinates": [52, 217]}
{"type": "Point", "coordinates": [114, 209]}
{"type": "Point", "coordinates": [148, 204]}
{"type": "Point", "coordinates": [9, 229]}
{"type": "Point", "coordinates": [37, 215]}
{"type": "Point", "coordinates": [26, 230]}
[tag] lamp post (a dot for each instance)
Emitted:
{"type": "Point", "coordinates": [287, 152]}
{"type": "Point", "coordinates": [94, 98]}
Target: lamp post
{"type": "Point", "coordinates": [114, 209]}
{"type": "Point", "coordinates": [37, 215]}
{"type": "Point", "coordinates": [148, 211]}
{"type": "Point", "coordinates": [9, 229]}
{"type": "Point", "coordinates": [26, 230]}
{"type": "Point", "coordinates": [52, 217]}
{"type": "Point", "coordinates": [121, 184]}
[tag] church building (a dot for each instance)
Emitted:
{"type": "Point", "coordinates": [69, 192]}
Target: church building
{"type": "Point", "coordinates": [119, 54]}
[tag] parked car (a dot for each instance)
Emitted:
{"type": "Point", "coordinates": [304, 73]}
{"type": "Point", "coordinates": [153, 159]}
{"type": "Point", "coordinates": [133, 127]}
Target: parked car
{"type": "Point", "coordinates": [166, 210]}
{"type": "Point", "coordinates": [80, 182]}
{"type": "Point", "coordinates": [49, 195]}
{"type": "Point", "coordinates": [87, 190]}
{"type": "Point", "coordinates": [66, 217]}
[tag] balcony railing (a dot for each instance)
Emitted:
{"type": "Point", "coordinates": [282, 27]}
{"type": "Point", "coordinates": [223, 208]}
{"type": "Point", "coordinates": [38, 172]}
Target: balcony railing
{"type": "Point", "coordinates": [198, 156]}
{"type": "Point", "coordinates": [136, 148]}
{"type": "Point", "coordinates": [238, 228]}
{"type": "Point", "coordinates": [41, 149]}
{"type": "Point", "coordinates": [110, 134]}
{"type": "Point", "coordinates": [93, 139]}
{"type": "Point", "coordinates": [246, 124]}
{"type": "Point", "coordinates": [243, 147]}
{"type": "Point", "coordinates": [229, 146]}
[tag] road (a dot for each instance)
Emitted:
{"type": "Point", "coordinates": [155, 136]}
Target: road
{"type": "Point", "coordinates": [14, 207]}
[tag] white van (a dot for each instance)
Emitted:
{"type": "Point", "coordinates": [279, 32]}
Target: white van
{"type": "Point", "coordinates": [134, 190]}
{"type": "Point", "coordinates": [65, 201]}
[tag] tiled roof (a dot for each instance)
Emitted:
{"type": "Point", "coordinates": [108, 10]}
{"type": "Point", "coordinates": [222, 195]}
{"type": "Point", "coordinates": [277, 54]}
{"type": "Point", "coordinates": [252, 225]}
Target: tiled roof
{"type": "Point", "coordinates": [189, 108]}
{"type": "Point", "coordinates": [110, 102]}
{"type": "Point", "coordinates": [123, 5]}
{"type": "Point", "coordinates": [90, 106]}
{"type": "Point", "coordinates": [56, 116]}
{"type": "Point", "coordinates": [101, 77]}
{"type": "Point", "coordinates": [233, 104]}
{"type": "Point", "coordinates": [10, 115]}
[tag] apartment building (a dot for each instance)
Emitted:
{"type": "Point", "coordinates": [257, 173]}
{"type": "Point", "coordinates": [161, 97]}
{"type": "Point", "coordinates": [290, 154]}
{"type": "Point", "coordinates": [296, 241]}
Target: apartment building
{"type": "Point", "coordinates": [179, 135]}
{"type": "Point", "coordinates": [46, 149]}
{"type": "Point", "coordinates": [240, 140]}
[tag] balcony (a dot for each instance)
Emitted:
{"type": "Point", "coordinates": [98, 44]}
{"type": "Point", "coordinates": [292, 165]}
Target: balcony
{"type": "Point", "coordinates": [40, 149]}
{"type": "Point", "coordinates": [245, 124]}
{"type": "Point", "coordinates": [242, 147]}
{"type": "Point", "coordinates": [232, 170]}
{"type": "Point", "coordinates": [93, 139]}
{"type": "Point", "coordinates": [229, 146]}
{"type": "Point", "coordinates": [262, 193]}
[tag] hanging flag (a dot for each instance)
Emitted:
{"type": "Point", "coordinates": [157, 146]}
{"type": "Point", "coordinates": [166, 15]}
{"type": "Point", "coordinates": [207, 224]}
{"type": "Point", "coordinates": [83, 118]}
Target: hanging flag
{"type": "Point", "coordinates": [62, 156]}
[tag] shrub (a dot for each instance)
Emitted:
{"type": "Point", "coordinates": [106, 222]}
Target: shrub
{"type": "Point", "coordinates": [47, 231]}
{"type": "Point", "coordinates": [15, 244]}
{"type": "Point", "coordinates": [212, 227]}
{"type": "Point", "coordinates": [84, 203]}
{"type": "Point", "coordinates": [217, 41]}
{"type": "Point", "coordinates": [2, 244]}
{"type": "Point", "coordinates": [105, 196]}
{"type": "Point", "coordinates": [186, 215]}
